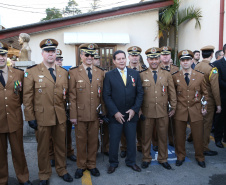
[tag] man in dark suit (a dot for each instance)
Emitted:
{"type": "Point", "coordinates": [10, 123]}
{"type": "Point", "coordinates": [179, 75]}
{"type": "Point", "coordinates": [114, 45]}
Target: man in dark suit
{"type": "Point", "coordinates": [220, 127]}
{"type": "Point", "coordinates": [123, 95]}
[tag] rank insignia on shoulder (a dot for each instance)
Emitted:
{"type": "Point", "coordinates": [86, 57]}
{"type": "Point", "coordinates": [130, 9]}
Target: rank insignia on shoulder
{"type": "Point", "coordinates": [100, 68]}
{"type": "Point", "coordinates": [63, 68]}
{"type": "Point", "coordinates": [211, 64]}
{"type": "Point", "coordinates": [26, 74]}
{"type": "Point", "coordinates": [165, 69]}
{"type": "Point", "coordinates": [199, 71]}
{"type": "Point", "coordinates": [18, 68]}
{"type": "Point", "coordinates": [175, 72]}
{"type": "Point", "coordinates": [73, 67]}
{"type": "Point", "coordinates": [143, 70]}
{"type": "Point", "coordinates": [31, 66]}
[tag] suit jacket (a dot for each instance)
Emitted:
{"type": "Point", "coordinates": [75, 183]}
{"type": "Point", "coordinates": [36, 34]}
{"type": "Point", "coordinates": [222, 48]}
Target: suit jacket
{"type": "Point", "coordinates": [43, 98]}
{"type": "Point", "coordinates": [121, 98]}
{"type": "Point", "coordinates": [211, 78]}
{"type": "Point", "coordinates": [157, 96]}
{"type": "Point", "coordinates": [10, 107]}
{"type": "Point", "coordinates": [83, 95]}
{"type": "Point", "coordinates": [221, 66]}
{"type": "Point", "coordinates": [187, 103]}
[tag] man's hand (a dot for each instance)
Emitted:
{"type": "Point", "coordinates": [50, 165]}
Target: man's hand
{"type": "Point", "coordinates": [204, 112]}
{"type": "Point", "coordinates": [171, 113]}
{"type": "Point", "coordinates": [218, 109]}
{"type": "Point", "coordinates": [131, 114]}
{"type": "Point", "coordinates": [101, 121]}
{"type": "Point", "coordinates": [33, 124]}
{"type": "Point", "coordinates": [73, 121]}
{"type": "Point", "coordinates": [119, 117]}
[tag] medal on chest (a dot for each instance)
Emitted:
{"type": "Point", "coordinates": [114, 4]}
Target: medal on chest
{"type": "Point", "coordinates": [133, 81]}
{"type": "Point", "coordinates": [64, 93]}
{"type": "Point", "coordinates": [98, 91]}
{"type": "Point", "coordinates": [163, 90]}
{"type": "Point", "coordinates": [196, 96]}
{"type": "Point", "coordinates": [17, 87]}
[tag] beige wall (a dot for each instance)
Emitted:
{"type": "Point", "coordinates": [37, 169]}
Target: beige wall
{"type": "Point", "coordinates": [142, 29]}
{"type": "Point", "coordinates": [194, 39]}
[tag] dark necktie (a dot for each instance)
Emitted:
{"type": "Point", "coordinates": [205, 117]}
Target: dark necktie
{"type": "Point", "coordinates": [155, 75]}
{"type": "Point", "coordinates": [51, 72]}
{"type": "Point", "coordinates": [89, 74]}
{"type": "Point", "coordinates": [186, 78]}
{"type": "Point", "coordinates": [135, 68]}
{"type": "Point", "coordinates": [2, 79]}
{"type": "Point", "coordinates": [167, 67]}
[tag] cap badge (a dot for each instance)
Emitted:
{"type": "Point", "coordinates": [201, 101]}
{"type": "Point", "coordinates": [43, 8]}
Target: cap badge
{"type": "Point", "coordinates": [49, 42]}
{"type": "Point", "coordinates": [185, 52]}
{"type": "Point", "coordinates": [134, 48]}
{"type": "Point", "coordinates": [90, 46]}
{"type": "Point", "coordinates": [153, 50]}
{"type": "Point", "coordinates": [165, 48]}
{"type": "Point", "coordinates": [1, 45]}
{"type": "Point", "coordinates": [58, 52]}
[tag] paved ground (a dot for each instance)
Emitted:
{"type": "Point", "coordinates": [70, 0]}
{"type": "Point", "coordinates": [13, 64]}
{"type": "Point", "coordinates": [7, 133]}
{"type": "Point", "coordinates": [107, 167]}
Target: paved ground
{"type": "Point", "coordinates": [188, 174]}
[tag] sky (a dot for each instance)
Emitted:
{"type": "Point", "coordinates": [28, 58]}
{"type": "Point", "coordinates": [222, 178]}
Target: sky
{"type": "Point", "coordinates": [15, 13]}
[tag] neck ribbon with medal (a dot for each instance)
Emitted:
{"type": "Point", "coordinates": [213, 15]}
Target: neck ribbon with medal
{"type": "Point", "coordinates": [17, 87]}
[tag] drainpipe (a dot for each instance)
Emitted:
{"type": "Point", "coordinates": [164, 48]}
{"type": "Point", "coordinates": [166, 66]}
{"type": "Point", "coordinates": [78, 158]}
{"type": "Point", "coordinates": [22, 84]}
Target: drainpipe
{"type": "Point", "coordinates": [221, 27]}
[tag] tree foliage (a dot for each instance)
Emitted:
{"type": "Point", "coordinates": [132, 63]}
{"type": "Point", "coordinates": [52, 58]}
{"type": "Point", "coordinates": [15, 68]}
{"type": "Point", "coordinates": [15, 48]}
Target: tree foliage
{"type": "Point", "coordinates": [95, 5]}
{"type": "Point", "coordinates": [72, 8]}
{"type": "Point", "coordinates": [52, 13]}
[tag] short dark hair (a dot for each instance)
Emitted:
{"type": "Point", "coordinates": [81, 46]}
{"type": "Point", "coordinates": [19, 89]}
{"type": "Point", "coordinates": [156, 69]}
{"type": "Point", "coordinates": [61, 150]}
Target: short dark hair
{"type": "Point", "coordinates": [196, 51]}
{"type": "Point", "coordinates": [217, 54]}
{"type": "Point", "coordinates": [207, 53]}
{"type": "Point", "coordinates": [224, 48]}
{"type": "Point", "coordinates": [117, 52]}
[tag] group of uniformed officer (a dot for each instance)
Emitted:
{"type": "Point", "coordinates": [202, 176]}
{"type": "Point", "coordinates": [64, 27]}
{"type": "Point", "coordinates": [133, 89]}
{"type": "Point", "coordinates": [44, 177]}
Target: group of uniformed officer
{"type": "Point", "coordinates": [172, 98]}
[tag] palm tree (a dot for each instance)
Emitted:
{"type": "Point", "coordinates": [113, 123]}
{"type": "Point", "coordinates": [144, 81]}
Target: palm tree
{"type": "Point", "coordinates": [172, 17]}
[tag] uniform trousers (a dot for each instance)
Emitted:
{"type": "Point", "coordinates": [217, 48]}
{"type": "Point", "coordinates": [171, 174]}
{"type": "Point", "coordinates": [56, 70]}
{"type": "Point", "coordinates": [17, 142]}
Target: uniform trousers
{"type": "Point", "coordinates": [139, 138]}
{"type": "Point", "coordinates": [19, 161]}
{"type": "Point", "coordinates": [105, 138]}
{"type": "Point", "coordinates": [86, 143]}
{"type": "Point", "coordinates": [180, 138]}
{"type": "Point", "coordinates": [115, 130]}
{"type": "Point", "coordinates": [58, 135]}
{"type": "Point", "coordinates": [70, 150]}
{"type": "Point", "coordinates": [161, 125]}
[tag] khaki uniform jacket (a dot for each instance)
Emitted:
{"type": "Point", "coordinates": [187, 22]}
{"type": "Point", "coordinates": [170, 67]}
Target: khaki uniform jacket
{"type": "Point", "coordinates": [10, 107]}
{"type": "Point", "coordinates": [43, 98]}
{"type": "Point", "coordinates": [186, 101]}
{"type": "Point", "coordinates": [83, 95]}
{"type": "Point", "coordinates": [173, 68]}
{"type": "Point", "coordinates": [211, 78]}
{"type": "Point", "coordinates": [157, 96]}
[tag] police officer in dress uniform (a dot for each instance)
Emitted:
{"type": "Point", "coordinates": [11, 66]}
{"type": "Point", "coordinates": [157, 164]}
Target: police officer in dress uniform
{"type": "Point", "coordinates": [190, 88]}
{"type": "Point", "coordinates": [134, 63]}
{"type": "Point", "coordinates": [212, 86]}
{"type": "Point", "coordinates": [70, 151]}
{"type": "Point", "coordinates": [11, 120]}
{"type": "Point", "coordinates": [158, 89]}
{"type": "Point", "coordinates": [85, 94]}
{"type": "Point", "coordinates": [105, 142]}
{"type": "Point", "coordinates": [45, 90]}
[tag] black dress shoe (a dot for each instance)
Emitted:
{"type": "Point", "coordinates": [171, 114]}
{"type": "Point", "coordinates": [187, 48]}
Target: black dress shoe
{"type": "Point", "coordinates": [210, 153]}
{"type": "Point", "coordinates": [43, 182]}
{"type": "Point", "coordinates": [219, 144]}
{"type": "Point", "coordinates": [171, 144]}
{"type": "Point", "coordinates": [145, 164]}
{"type": "Point", "coordinates": [202, 164]}
{"type": "Point", "coordinates": [94, 172]}
{"type": "Point", "coordinates": [166, 165]}
{"type": "Point", "coordinates": [67, 177]}
{"type": "Point", "coordinates": [155, 148]}
{"type": "Point", "coordinates": [72, 157]}
{"type": "Point", "coordinates": [139, 150]}
{"type": "Point", "coordinates": [106, 153]}
{"type": "Point", "coordinates": [179, 162]}
{"type": "Point", "coordinates": [52, 162]}
{"type": "Point", "coordinates": [111, 169]}
{"type": "Point", "coordinates": [79, 173]}
{"type": "Point", "coordinates": [135, 167]}
{"type": "Point", "coordinates": [189, 139]}
{"type": "Point", "coordinates": [26, 183]}
{"type": "Point", "coordinates": [123, 154]}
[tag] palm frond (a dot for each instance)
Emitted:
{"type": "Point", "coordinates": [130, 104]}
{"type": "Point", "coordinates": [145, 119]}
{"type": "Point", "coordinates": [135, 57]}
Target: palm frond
{"type": "Point", "coordinates": [190, 13]}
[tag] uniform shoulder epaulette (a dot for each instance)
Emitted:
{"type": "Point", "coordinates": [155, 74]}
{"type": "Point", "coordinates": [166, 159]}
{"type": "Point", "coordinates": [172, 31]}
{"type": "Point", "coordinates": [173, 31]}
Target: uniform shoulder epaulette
{"type": "Point", "coordinates": [199, 71]}
{"type": "Point", "coordinates": [31, 66]}
{"type": "Point", "coordinates": [175, 72]}
{"type": "Point", "coordinates": [211, 65]}
{"type": "Point", "coordinates": [100, 68]}
{"type": "Point", "coordinates": [18, 68]}
{"type": "Point", "coordinates": [63, 68]}
{"type": "Point", "coordinates": [162, 68]}
{"type": "Point", "coordinates": [73, 67]}
{"type": "Point", "coordinates": [175, 65]}
{"type": "Point", "coordinates": [143, 70]}
{"type": "Point", "coordinates": [144, 66]}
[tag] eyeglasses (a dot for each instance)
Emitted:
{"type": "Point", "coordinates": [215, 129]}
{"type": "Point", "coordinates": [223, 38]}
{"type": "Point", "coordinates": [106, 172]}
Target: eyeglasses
{"type": "Point", "coordinates": [59, 59]}
{"type": "Point", "coordinates": [87, 55]}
